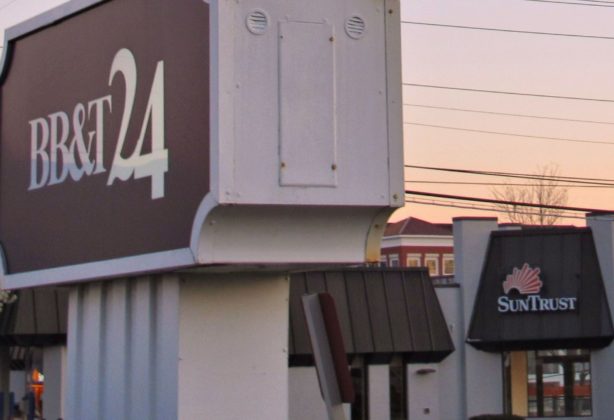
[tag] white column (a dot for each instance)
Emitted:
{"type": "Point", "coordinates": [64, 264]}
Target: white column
{"type": "Point", "coordinates": [450, 370]}
{"type": "Point", "coordinates": [423, 391]}
{"type": "Point", "coordinates": [54, 361]}
{"type": "Point", "coordinates": [379, 391]}
{"type": "Point", "coordinates": [176, 346]}
{"type": "Point", "coordinates": [233, 357]}
{"type": "Point", "coordinates": [482, 371]}
{"type": "Point", "coordinates": [304, 398]}
{"type": "Point", "coordinates": [602, 361]}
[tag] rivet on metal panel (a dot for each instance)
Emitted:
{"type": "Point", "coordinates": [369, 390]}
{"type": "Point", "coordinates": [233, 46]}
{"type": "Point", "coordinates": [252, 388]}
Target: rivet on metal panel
{"type": "Point", "coordinates": [395, 196]}
{"type": "Point", "coordinates": [390, 11]}
{"type": "Point", "coordinates": [331, 39]}
{"type": "Point", "coordinates": [283, 165]}
{"type": "Point", "coordinates": [376, 226]}
{"type": "Point", "coordinates": [333, 166]}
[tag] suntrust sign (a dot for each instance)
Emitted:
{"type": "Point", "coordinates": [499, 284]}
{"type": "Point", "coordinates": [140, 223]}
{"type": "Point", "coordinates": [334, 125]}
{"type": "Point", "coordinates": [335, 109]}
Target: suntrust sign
{"type": "Point", "coordinates": [104, 133]}
{"type": "Point", "coordinates": [540, 288]}
{"type": "Point", "coordinates": [527, 283]}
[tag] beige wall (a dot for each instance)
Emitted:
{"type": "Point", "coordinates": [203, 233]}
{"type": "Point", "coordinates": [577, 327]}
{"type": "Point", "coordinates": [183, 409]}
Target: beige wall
{"type": "Point", "coordinates": [518, 373]}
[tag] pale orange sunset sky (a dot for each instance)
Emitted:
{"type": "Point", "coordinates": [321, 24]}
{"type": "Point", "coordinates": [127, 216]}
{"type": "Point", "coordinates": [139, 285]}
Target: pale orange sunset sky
{"type": "Point", "coordinates": [559, 48]}
{"type": "Point", "coordinates": [500, 56]}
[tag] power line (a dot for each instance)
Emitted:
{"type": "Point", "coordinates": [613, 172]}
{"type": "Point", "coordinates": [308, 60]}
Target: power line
{"type": "Point", "coordinates": [501, 133]}
{"type": "Point", "coordinates": [508, 114]}
{"type": "Point", "coordinates": [478, 207]}
{"type": "Point", "coordinates": [502, 184]}
{"type": "Point", "coordinates": [516, 31]}
{"type": "Point", "coordinates": [504, 92]}
{"type": "Point", "coordinates": [509, 203]}
{"type": "Point", "coordinates": [597, 1]}
{"type": "Point", "coordinates": [571, 179]}
{"type": "Point", "coordinates": [571, 3]}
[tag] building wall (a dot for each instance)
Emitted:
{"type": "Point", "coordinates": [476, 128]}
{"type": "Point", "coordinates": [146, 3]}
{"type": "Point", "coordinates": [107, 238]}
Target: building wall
{"type": "Point", "coordinates": [602, 361]}
{"type": "Point", "coordinates": [451, 382]}
{"type": "Point", "coordinates": [171, 346]}
{"type": "Point", "coordinates": [423, 393]}
{"type": "Point", "coordinates": [481, 371]}
{"type": "Point", "coordinates": [54, 366]}
{"type": "Point", "coordinates": [379, 392]}
{"type": "Point", "coordinates": [304, 398]}
{"type": "Point", "coordinates": [441, 253]}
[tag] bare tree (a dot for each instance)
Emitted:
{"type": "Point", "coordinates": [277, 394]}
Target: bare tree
{"type": "Point", "coordinates": [544, 188]}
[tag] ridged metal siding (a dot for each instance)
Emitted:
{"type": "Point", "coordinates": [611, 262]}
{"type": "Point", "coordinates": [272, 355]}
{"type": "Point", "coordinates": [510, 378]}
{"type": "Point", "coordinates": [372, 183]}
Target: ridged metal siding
{"type": "Point", "coordinates": [382, 312]}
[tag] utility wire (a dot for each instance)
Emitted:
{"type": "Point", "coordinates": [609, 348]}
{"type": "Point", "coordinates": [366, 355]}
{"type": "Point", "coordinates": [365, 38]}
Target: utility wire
{"type": "Point", "coordinates": [597, 1]}
{"type": "Point", "coordinates": [500, 184]}
{"type": "Point", "coordinates": [509, 203]}
{"type": "Point", "coordinates": [508, 114]}
{"type": "Point", "coordinates": [504, 92]}
{"type": "Point", "coordinates": [516, 31]}
{"type": "Point", "coordinates": [501, 133]}
{"type": "Point", "coordinates": [576, 180]}
{"type": "Point", "coordinates": [479, 208]}
{"type": "Point", "coordinates": [571, 3]}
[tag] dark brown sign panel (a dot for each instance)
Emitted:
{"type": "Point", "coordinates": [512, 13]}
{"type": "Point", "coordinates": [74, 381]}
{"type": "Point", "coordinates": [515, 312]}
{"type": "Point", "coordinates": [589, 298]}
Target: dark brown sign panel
{"type": "Point", "coordinates": [104, 134]}
{"type": "Point", "coordinates": [541, 289]}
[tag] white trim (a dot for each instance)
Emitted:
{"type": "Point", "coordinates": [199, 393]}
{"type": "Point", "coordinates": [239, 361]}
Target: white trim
{"type": "Point", "coordinates": [417, 240]}
{"type": "Point", "coordinates": [394, 97]}
{"type": "Point", "coordinates": [435, 258]}
{"type": "Point", "coordinates": [37, 22]}
{"type": "Point", "coordinates": [447, 257]}
{"type": "Point", "coordinates": [157, 261]}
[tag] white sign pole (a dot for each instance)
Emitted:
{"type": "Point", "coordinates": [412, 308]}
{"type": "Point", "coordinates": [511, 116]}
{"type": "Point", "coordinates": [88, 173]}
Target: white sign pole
{"type": "Point", "coordinates": [323, 357]}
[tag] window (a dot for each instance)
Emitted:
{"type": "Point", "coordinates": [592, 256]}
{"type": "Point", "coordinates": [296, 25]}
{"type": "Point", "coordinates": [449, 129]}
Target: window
{"type": "Point", "coordinates": [432, 262]}
{"type": "Point", "coordinates": [393, 260]}
{"type": "Point", "coordinates": [382, 261]}
{"type": "Point", "coordinates": [398, 389]}
{"type": "Point", "coordinates": [549, 383]}
{"type": "Point", "coordinates": [413, 260]}
{"type": "Point", "coordinates": [448, 264]}
{"type": "Point", "coordinates": [360, 406]}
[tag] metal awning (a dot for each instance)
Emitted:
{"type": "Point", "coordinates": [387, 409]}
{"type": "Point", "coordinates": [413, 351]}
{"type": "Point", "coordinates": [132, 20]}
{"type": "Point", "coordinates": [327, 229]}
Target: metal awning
{"type": "Point", "coordinates": [37, 318]}
{"type": "Point", "coordinates": [382, 312]}
{"type": "Point", "coordinates": [541, 289]}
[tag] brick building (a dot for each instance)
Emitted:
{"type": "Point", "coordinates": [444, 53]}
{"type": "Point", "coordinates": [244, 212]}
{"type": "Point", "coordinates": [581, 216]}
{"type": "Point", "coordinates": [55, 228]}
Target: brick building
{"type": "Point", "coordinates": [414, 242]}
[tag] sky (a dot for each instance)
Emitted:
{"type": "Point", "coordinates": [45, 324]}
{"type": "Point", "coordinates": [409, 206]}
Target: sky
{"type": "Point", "coordinates": [507, 61]}
{"type": "Point", "coordinates": [538, 51]}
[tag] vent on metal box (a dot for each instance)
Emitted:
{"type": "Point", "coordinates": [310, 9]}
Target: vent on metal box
{"type": "Point", "coordinates": [355, 27]}
{"type": "Point", "coordinates": [257, 22]}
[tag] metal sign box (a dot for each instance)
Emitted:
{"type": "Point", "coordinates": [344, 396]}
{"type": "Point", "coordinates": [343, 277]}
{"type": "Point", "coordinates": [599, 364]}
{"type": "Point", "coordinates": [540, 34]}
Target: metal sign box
{"type": "Point", "coordinates": [153, 135]}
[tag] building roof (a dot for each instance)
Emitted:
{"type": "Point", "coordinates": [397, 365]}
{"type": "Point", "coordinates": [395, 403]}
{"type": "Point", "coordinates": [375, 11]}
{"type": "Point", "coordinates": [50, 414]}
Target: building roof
{"type": "Point", "coordinates": [382, 312]}
{"type": "Point", "coordinates": [37, 318]}
{"type": "Point", "coordinates": [415, 226]}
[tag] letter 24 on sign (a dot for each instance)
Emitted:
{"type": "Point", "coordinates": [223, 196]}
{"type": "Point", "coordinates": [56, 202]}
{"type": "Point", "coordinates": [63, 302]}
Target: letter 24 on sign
{"type": "Point", "coordinates": [60, 148]}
